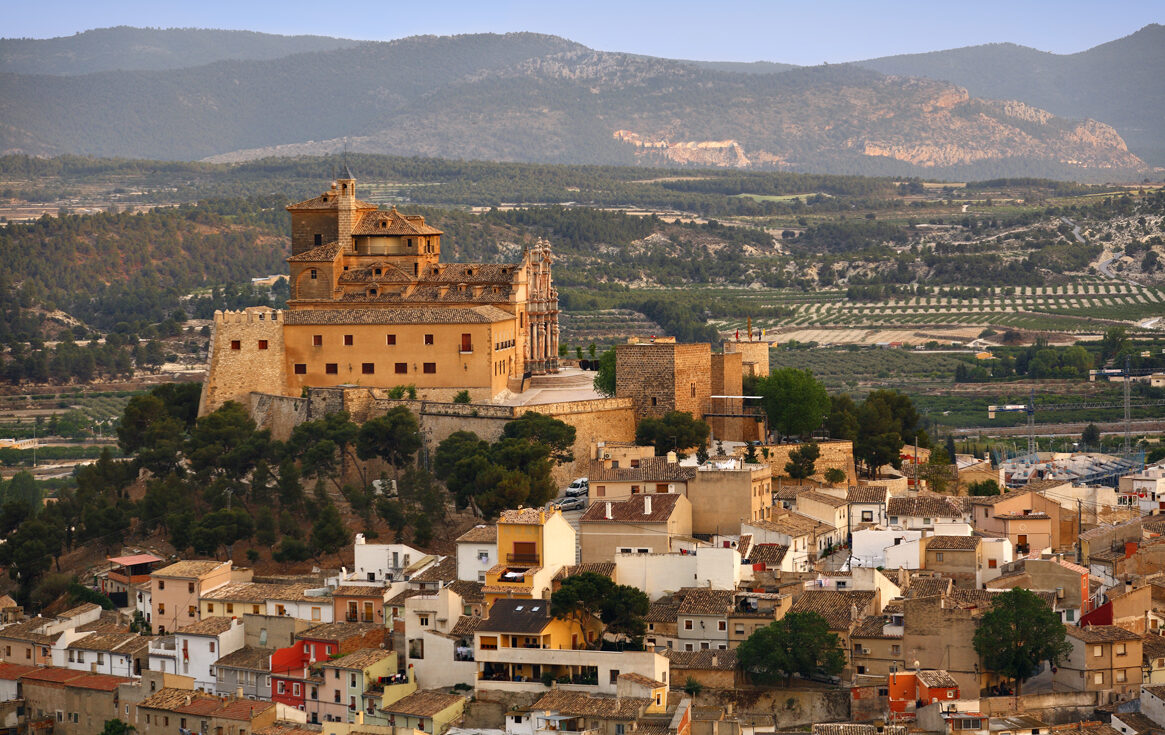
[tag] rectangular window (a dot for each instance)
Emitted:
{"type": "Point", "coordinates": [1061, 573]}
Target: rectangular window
{"type": "Point", "coordinates": [1120, 675]}
{"type": "Point", "coordinates": [281, 687]}
{"type": "Point", "coordinates": [161, 608]}
{"type": "Point", "coordinates": [209, 607]}
{"type": "Point", "coordinates": [190, 587]}
{"type": "Point", "coordinates": [938, 556]}
{"type": "Point", "coordinates": [722, 625]}
{"type": "Point", "coordinates": [687, 625]}
{"type": "Point", "coordinates": [1097, 651]}
{"type": "Point", "coordinates": [992, 563]}
{"type": "Point", "coordinates": [401, 368]}
{"type": "Point", "coordinates": [466, 343]}
{"type": "Point", "coordinates": [867, 516]}
{"type": "Point", "coordinates": [1098, 678]}
{"type": "Point", "coordinates": [191, 611]}
{"type": "Point", "coordinates": [1120, 649]}
{"type": "Point", "coordinates": [313, 274]}
{"type": "Point", "coordinates": [319, 239]}
{"type": "Point", "coordinates": [428, 339]}
{"type": "Point", "coordinates": [347, 340]}
{"type": "Point", "coordinates": [331, 368]}
{"type": "Point", "coordinates": [236, 344]}
{"type": "Point", "coordinates": [367, 368]}
{"type": "Point", "coordinates": [430, 367]}
{"type": "Point", "coordinates": [300, 368]}
{"type": "Point", "coordinates": [391, 339]}
{"type": "Point", "coordinates": [315, 613]}
{"type": "Point", "coordinates": [317, 340]}
{"type": "Point", "coordinates": [262, 344]}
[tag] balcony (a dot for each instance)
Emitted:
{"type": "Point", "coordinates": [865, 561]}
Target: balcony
{"type": "Point", "coordinates": [531, 559]}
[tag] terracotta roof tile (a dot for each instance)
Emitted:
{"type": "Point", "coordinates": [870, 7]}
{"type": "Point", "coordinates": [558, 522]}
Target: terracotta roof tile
{"type": "Point", "coordinates": [466, 625]}
{"type": "Point", "coordinates": [423, 703]}
{"type": "Point", "coordinates": [831, 500]}
{"type": "Point", "coordinates": [1101, 633]}
{"type": "Point", "coordinates": [325, 253]}
{"type": "Point", "coordinates": [642, 680]}
{"type": "Point", "coordinates": [703, 601]}
{"type": "Point", "coordinates": [770, 555]}
{"type": "Point", "coordinates": [524, 516]}
{"type": "Point", "coordinates": [329, 200]}
{"type": "Point", "coordinates": [952, 543]}
{"type": "Point", "coordinates": [923, 506]}
{"type": "Point", "coordinates": [866, 494]}
{"type": "Point", "coordinates": [650, 469]}
{"type": "Point", "coordinates": [578, 704]}
{"type": "Point", "coordinates": [391, 223]}
{"type": "Point", "coordinates": [338, 631]}
{"type": "Point", "coordinates": [359, 659]}
{"type": "Point", "coordinates": [247, 657]}
{"type": "Point", "coordinates": [480, 534]}
{"type": "Point", "coordinates": [936, 678]}
{"type": "Point", "coordinates": [834, 605]}
{"type": "Point", "coordinates": [605, 568]}
{"type": "Point", "coordinates": [444, 570]}
{"type": "Point", "coordinates": [189, 569]}
{"type": "Point", "coordinates": [469, 590]}
{"type": "Point", "coordinates": [254, 592]}
{"type": "Point", "coordinates": [711, 660]}
{"type": "Point", "coordinates": [634, 509]}
{"type": "Point", "coordinates": [208, 626]}
{"type": "Point", "coordinates": [873, 626]}
{"type": "Point", "coordinates": [354, 590]}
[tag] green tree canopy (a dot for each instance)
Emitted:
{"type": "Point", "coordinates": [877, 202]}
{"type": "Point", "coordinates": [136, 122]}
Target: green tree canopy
{"type": "Point", "coordinates": [546, 430]}
{"type": "Point", "coordinates": [794, 401]}
{"type": "Point", "coordinates": [676, 430]}
{"type": "Point", "coordinates": [1018, 633]}
{"type": "Point", "coordinates": [803, 461]}
{"type": "Point", "coordinates": [394, 437]}
{"type": "Point", "coordinates": [799, 643]}
{"type": "Point", "coordinates": [605, 374]}
{"type": "Point", "coordinates": [1090, 437]}
{"type": "Point", "coordinates": [887, 420]}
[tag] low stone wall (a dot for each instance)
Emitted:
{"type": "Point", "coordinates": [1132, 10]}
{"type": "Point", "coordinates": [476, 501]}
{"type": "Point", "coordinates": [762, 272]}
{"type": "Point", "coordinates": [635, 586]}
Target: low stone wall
{"type": "Point", "coordinates": [1062, 705]}
{"type": "Point", "coordinates": [280, 414]}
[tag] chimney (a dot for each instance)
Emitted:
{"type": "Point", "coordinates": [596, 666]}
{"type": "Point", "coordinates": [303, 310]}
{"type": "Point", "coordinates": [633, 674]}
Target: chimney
{"type": "Point", "coordinates": [607, 514]}
{"type": "Point", "coordinates": [715, 660]}
{"type": "Point", "coordinates": [671, 457]}
{"type": "Point", "coordinates": [646, 505]}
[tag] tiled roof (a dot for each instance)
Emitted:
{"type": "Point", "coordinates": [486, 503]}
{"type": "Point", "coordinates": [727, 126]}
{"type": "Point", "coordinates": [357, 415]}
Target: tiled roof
{"type": "Point", "coordinates": [12, 672]}
{"type": "Point", "coordinates": [79, 610]}
{"type": "Point", "coordinates": [866, 494]}
{"type": "Point", "coordinates": [642, 680]}
{"type": "Point", "coordinates": [114, 642]}
{"type": "Point", "coordinates": [834, 605]}
{"type": "Point", "coordinates": [995, 499]}
{"type": "Point", "coordinates": [208, 626]}
{"type": "Point", "coordinates": [1104, 530]}
{"type": "Point", "coordinates": [923, 506]}
{"type": "Point", "coordinates": [744, 544]}
{"type": "Point", "coordinates": [1139, 723]}
{"type": "Point", "coordinates": [338, 631]}
{"type": "Point", "coordinates": [1023, 516]}
{"type": "Point", "coordinates": [986, 598]}
{"type": "Point", "coordinates": [831, 500]}
{"type": "Point", "coordinates": [28, 630]}
{"type": "Point", "coordinates": [242, 709]}
{"type": "Point", "coordinates": [791, 492]}
{"type": "Point", "coordinates": [329, 200]}
{"type": "Point", "coordinates": [849, 728]}
{"type": "Point", "coordinates": [359, 659]}
{"type": "Point", "coordinates": [525, 516]}
{"type": "Point", "coordinates": [423, 703]}
{"type": "Point", "coordinates": [711, 660]}
{"type": "Point", "coordinates": [353, 590]}
{"type": "Point", "coordinates": [928, 586]}
{"type": "Point", "coordinates": [872, 626]}
{"type": "Point", "coordinates": [767, 554]}
{"type": "Point", "coordinates": [286, 728]}
{"type": "Point", "coordinates": [1153, 646]}
{"type": "Point", "coordinates": [1101, 633]}
{"type": "Point", "coordinates": [480, 534]}
{"type": "Point", "coordinates": [792, 524]}
{"type": "Point", "coordinates": [170, 699]}
{"type": "Point", "coordinates": [703, 601]}
{"type": "Point", "coordinates": [325, 253]}
{"type": "Point", "coordinates": [469, 591]}
{"type": "Point", "coordinates": [255, 592]}
{"type": "Point", "coordinates": [516, 616]}
{"type": "Point", "coordinates": [663, 610]}
{"type": "Point", "coordinates": [190, 569]}
{"type": "Point", "coordinates": [466, 625]}
{"type": "Point", "coordinates": [400, 597]}
{"type": "Point", "coordinates": [247, 657]}
{"type": "Point", "coordinates": [443, 571]}
{"type": "Point", "coordinates": [634, 509]}
{"type": "Point", "coordinates": [577, 704]}
{"type": "Point", "coordinates": [936, 678]}
{"type": "Point", "coordinates": [952, 543]}
{"type": "Point", "coordinates": [402, 315]}
{"type": "Point", "coordinates": [393, 222]}
{"type": "Point", "coordinates": [650, 469]}
{"type": "Point", "coordinates": [605, 568]}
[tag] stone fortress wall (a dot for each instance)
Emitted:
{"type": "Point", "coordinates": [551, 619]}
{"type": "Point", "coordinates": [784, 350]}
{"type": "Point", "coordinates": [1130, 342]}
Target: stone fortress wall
{"type": "Point", "coordinates": [246, 355]}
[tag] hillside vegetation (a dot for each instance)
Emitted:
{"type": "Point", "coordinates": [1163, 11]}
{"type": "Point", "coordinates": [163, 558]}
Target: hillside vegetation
{"type": "Point", "coordinates": [530, 97]}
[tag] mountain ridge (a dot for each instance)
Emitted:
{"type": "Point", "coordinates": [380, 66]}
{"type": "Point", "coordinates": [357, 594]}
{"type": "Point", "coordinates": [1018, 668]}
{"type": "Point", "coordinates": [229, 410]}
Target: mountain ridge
{"type": "Point", "coordinates": [540, 98]}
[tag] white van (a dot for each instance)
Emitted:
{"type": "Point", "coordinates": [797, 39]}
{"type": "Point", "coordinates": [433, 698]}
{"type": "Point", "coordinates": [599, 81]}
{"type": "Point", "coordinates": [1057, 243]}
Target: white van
{"type": "Point", "coordinates": [581, 486]}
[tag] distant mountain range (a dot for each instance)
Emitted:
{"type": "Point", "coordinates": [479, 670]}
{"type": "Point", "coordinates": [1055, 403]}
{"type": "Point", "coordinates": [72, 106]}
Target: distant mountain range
{"type": "Point", "coordinates": [228, 95]}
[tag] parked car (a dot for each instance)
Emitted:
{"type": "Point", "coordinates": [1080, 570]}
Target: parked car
{"type": "Point", "coordinates": [572, 504]}
{"type": "Point", "coordinates": [578, 488]}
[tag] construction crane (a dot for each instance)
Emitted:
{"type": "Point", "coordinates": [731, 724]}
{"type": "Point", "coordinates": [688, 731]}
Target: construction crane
{"type": "Point", "coordinates": [1030, 407]}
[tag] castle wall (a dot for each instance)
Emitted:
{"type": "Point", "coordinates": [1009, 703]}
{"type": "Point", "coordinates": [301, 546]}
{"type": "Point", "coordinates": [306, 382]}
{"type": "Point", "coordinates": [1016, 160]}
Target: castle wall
{"type": "Point", "coordinates": [661, 377]}
{"type": "Point", "coordinates": [306, 225]}
{"type": "Point", "coordinates": [726, 381]}
{"type": "Point", "coordinates": [246, 354]}
{"type": "Point", "coordinates": [755, 356]}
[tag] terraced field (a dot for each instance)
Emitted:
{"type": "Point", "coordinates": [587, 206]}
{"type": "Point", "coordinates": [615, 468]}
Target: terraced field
{"type": "Point", "coordinates": [1087, 306]}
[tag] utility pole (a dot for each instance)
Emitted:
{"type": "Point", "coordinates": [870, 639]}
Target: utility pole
{"type": "Point", "coordinates": [1128, 407]}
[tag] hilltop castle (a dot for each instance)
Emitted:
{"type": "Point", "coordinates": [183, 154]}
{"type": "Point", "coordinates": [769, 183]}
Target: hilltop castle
{"type": "Point", "coordinates": [372, 305]}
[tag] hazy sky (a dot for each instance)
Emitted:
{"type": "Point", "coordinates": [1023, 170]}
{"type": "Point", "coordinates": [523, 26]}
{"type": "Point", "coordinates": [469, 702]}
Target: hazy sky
{"type": "Point", "coordinates": [801, 32]}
